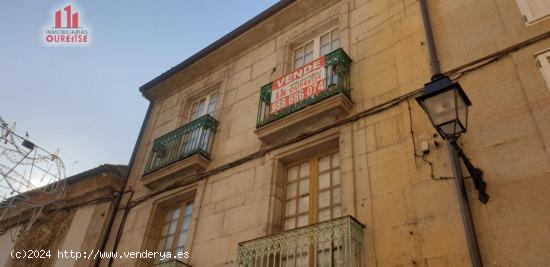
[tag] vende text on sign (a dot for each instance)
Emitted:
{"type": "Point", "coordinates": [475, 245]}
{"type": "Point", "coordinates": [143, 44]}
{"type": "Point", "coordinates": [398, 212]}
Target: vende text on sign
{"type": "Point", "coordinates": [298, 85]}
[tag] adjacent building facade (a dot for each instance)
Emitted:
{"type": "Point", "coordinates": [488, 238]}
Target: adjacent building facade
{"type": "Point", "coordinates": [75, 221]}
{"type": "Point", "coordinates": [295, 140]}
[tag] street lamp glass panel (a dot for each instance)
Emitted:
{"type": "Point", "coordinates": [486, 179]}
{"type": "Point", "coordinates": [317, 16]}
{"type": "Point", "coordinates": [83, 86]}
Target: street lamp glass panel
{"type": "Point", "coordinates": [446, 105]}
{"type": "Point", "coordinates": [441, 107]}
{"type": "Point", "coordinates": [462, 109]}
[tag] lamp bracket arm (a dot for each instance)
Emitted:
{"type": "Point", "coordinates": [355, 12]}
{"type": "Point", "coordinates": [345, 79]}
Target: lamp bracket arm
{"type": "Point", "coordinates": [476, 173]}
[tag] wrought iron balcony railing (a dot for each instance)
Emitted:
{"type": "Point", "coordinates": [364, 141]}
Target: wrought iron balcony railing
{"type": "Point", "coordinates": [192, 138]}
{"type": "Point", "coordinates": [337, 242]}
{"type": "Point", "coordinates": [337, 80]}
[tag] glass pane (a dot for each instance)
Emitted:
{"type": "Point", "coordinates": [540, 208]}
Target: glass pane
{"type": "Point", "coordinates": [335, 160]}
{"type": "Point", "coordinates": [304, 170]}
{"type": "Point", "coordinates": [201, 111]}
{"type": "Point", "coordinates": [335, 44]}
{"type": "Point", "coordinates": [304, 186]}
{"type": "Point", "coordinates": [213, 99]}
{"type": "Point", "coordinates": [336, 177]}
{"type": "Point", "coordinates": [290, 208]}
{"type": "Point", "coordinates": [324, 163]}
{"type": "Point", "coordinates": [211, 109]}
{"type": "Point", "coordinates": [175, 213]}
{"type": "Point", "coordinates": [324, 199]}
{"type": "Point", "coordinates": [165, 229]}
{"type": "Point", "coordinates": [160, 245]}
{"type": "Point", "coordinates": [462, 109]}
{"type": "Point", "coordinates": [169, 241]}
{"type": "Point", "coordinates": [298, 57]}
{"type": "Point", "coordinates": [335, 34]}
{"type": "Point", "coordinates": [336, 195]}
{"type": "Point", "coordinates": [291, 190]}
{"type": "Point", "coordinates": [188, 209]}
{"type": "Point", "coordinates": [212, 103]}
{"type": "Point", "coordinates": [308, 48]}
{"type": "Point", "coordinates": [179, 249]}
{"type": "Point", "coordinates": [172, 227]}
{"type": "Point", "coordinates": [324, 215]}
{"type": "Point", "coordinates": [186, 221]}
{"type": "Point", "coordinates": [298, 53]}
{"type": "Point", "coordinates": [441, 107]}
{"type": "Point", "coordinates": [193, 112]}
{"type": "Point", "coordinates": [303, 204]}
{"type": "Point", "coordinates": [289, 223]}
{"type": "Point", "coordinates": [292, 173]}
{"type": "Point", "coordinates": [302, 220]}
{"type": "Point", "coordinates": [181, 238]}
{"type": "Point", "coordinates": [298, 62]}
{"type": "Point", "coordinates": [308, 57]}
{"type": "Point", "coordinates": [336, 212]}
{"type": "Point", "coordinates": [325, 49]}
{"type": "Point", "coordinates": [325, 39]}
{"type": "Point", "coordinates": [324, 180]}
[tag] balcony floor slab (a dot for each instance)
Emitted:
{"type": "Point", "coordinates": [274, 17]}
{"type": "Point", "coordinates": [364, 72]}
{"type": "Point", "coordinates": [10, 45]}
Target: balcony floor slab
{"type": "Point", "coordinates": [311, 117]}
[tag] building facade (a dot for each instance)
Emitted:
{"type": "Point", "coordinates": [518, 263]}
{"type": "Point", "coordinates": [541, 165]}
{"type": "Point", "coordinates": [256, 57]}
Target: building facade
{"type": "Point", "coordinates": [73, 223]}
{"type": "Point", "coordinates": [295, 140]}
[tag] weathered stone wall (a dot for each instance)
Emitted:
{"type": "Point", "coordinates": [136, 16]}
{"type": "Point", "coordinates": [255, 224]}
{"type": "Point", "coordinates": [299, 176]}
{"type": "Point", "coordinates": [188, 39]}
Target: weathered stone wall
{"type": "Point", "coordinates": [76, 221]}
{"type": "Point", "coordinates": [46, 234]}
{"type": "Point", "coordinates": [412, 215]}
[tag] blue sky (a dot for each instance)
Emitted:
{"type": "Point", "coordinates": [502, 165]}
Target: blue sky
{"type": "Point", "coordinates": [85, 101]}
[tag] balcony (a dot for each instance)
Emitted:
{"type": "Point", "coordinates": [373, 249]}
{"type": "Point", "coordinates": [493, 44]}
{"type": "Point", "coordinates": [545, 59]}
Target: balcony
{"type": "Point", "coordinates": [180, 152]}
{"type": "Point", "coordinates": [171, 263]}
{"type": "Point", "coordinates": [305, 101]}
{"type": "Point", "coordinates": [337, 242]}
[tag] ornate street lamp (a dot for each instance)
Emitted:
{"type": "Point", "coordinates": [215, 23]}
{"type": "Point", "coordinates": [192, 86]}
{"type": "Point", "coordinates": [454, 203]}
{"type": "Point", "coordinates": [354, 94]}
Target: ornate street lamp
{"type": "Point", "coordinates": [447, 107]}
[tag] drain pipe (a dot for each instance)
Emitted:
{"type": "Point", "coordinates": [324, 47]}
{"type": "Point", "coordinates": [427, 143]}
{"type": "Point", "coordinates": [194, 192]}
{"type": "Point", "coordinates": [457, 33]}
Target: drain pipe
{"type": "Point", "coordinates": [434, 60]}
{"type": "Point", "coordinates": [116, 203]}
{"type": "Point", "coordinates": [467, 220]}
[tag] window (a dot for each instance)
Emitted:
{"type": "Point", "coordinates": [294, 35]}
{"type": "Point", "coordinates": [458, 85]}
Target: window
{"type": "Point", "coordinates": [303, 55]}
{"type": "Point", "coordinates": [319, 46]}
{"type": "Point", "coordinates": [175, 226]}
{"type": "Point", "coordinates": [199, 108]}
{"type": "Point", "coordinates": [329, 42]}
{"type": "Point", "coordinates": [543, 60]}
{"type": "Point", "coordinates": [203, 106]}
{"type": "Point", "coordinates": [534, 10]}
{"type": "Point", "coordinates": [313, 191]}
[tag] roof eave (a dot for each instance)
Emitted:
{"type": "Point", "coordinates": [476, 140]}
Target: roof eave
{"type": "Point", "coordinates": [217, 44]}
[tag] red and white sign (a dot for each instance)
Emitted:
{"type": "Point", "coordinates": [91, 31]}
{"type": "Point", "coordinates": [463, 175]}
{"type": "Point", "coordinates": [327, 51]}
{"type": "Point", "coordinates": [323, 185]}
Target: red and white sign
{"type": "Point", "coordinates": [298, 85]}
{"type": "Point", "coordinates": [71, 32]}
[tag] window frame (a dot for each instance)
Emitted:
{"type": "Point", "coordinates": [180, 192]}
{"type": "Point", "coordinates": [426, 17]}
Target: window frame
{"type": "Point", "coordinates": [316, 46]}
{"type": "Point", "coordinates": [543, 63]}
{"type": "Point", "coordinates": [527, 15]}
{"type": "Point", "coordinates": [313, 192]}
{"type": "Point", "coordinates": [161, 221]}
{"type": "Point", "coordinates": [206, 105]}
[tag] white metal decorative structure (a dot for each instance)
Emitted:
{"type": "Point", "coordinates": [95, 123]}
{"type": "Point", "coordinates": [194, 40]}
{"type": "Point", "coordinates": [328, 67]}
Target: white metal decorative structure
{"type": "Point", "coordinates": [30, 177]}
{"type": "Point", "coordinates": [338, 242]}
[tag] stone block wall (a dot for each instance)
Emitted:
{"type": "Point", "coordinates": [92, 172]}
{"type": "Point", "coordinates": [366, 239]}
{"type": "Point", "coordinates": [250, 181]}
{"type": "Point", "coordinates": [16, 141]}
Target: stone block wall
{"type": "Point", "coordinates": [406, 201]}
